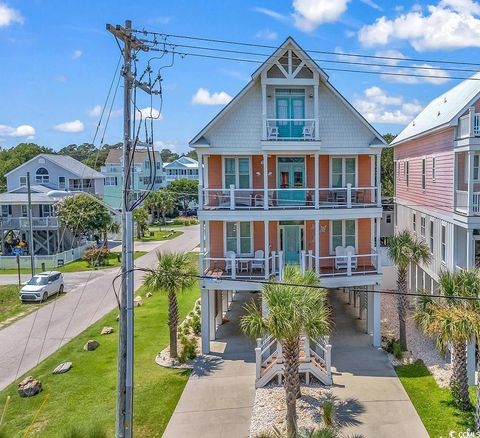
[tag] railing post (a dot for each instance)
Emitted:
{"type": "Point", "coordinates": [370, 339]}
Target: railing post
{"type": "Point", "coordinates": [279, 352]}
{"type": "Point", "coordinates": [265, 181]}
{"type": "Point", "coordinates": [349, 264]}
{"type": "Point", "coordinates": [233, 266]}
{"type": "Point", "coordinates": [273, 263]}
{"type": "Point", "coordinates": [349, 195]}
{"type": "Point", "coordinates": [328, 359]}
{"type": "Point", "coordinates": [307, 348]}
{"type": "Point", "coordinates": [471, 121]}
{"type": "Point", "coordinates": [232, 197]}
{"type": "Point", "coordinates": [302, 260]}
{"type": "Point", "coordinates": [280, 265]}
{"type": "Point", "coordinates": [310, 256]}
{"type": "Point", "coordinates": [258, 358]}
{"type": "Point", "coordinates": [200, 197]}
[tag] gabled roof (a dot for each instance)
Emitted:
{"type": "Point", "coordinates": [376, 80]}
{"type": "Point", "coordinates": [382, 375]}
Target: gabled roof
{"type": "Point", "coordinates": [184, 161]}
{"type": "Point", "coordinates": [199, 139]}
{"type": "Point", "coordinates": [442, 111]}
{"type": "Point", "coordinates": [71, 164]}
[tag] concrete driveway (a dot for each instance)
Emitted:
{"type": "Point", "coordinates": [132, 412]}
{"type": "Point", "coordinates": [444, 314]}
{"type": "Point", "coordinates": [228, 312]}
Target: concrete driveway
{"type": "Point", "coordinates": [89, 296]}
{"type": "Point", "coordinates": [372, 400]}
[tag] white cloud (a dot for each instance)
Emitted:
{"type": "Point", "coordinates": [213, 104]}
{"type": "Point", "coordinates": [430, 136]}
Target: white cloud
{"type": "Point", "coordinates": [95, 111]}
{"type": "Point", "coordinates": [379, 107]}
{"type": "Point", "coordinates": [9, 15]}
{"type": "Point", "coordinates": [149, 113]}
{"type": "Point", "coordinates": [270, 13]}
{"type": "Point", "coordinates": [204, 97]}
{"type": "Point", "coordinates": [372, 4]}
{"type": "Point", "coordinates": [73, 126]}
{"type": "Point", "coordinates": [76, 54]}
{"type": "Point", "coordinates": [266, 34]}
{"type": "Point", "coordinates": [19, 131]}
{"type": "Point", "coordinates": [309, 14]}
{"type": "Point", "coordinates": [451, 24]}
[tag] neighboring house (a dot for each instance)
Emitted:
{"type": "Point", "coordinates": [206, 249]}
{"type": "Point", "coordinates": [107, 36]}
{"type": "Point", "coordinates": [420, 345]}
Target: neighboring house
{"type": "Point", "coordinates": [141, 176]}
{"type": "Point", "coordinates": [437, 190]}
{"type": "Point", "coordinates": [289, 173]}
{"type": "Point", "coordinates": [182, 168]}
{"type": "Point", "coordinates": [48, 173]}
{"type": "Point", "coordinates": [387, 226]}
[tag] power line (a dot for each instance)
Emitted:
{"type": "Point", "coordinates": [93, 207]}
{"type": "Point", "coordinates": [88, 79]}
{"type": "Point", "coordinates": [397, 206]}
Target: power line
{"type": "Point", "coordinates": [324, 52]}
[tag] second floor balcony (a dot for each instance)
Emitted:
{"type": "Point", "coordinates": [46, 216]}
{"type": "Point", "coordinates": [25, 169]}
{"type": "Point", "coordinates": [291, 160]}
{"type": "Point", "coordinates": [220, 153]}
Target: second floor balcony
{"type": "Point", "coordinates": [22, 223]}
{"type": "Point", "coordinates": [291, 129]}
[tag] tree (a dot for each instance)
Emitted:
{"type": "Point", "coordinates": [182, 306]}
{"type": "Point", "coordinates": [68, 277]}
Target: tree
{"type": "Point", "coordinates": [162, 201]}
{"type": "Point", "coordinates": [168, 156]}
{"type": "Point", "coordinates": [140, 215]}
{"type": "Point", "coordinates": [82, 213]}
{"type": "Point", "coordinates": [174, 273]}
{"type": "Point", "coordinates": [88, 154]}
{"type": "Point", "coordinates": [455, 322]}
{"type": "Point", "coordinates": [192, 154]}
{"type": "Point", "coordinates": [293, 310]}
{"type": "Point", "coordinates": [405, 249]}
{"type": "Point", "coordinates": [388, 173]}
{"type": "Point", "coordinates": [186, 191]}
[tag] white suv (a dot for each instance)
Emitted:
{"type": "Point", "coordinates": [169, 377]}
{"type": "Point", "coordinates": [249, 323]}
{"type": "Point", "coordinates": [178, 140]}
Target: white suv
{"type": "Point", "coordinates": [42, 285]}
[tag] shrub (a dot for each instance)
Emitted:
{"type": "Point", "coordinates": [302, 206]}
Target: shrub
{"type": "Point", "coordinates": [394, 347]}
{"type": "Point", "coordinates": [188, 349]}
{"type": "Point", "coordinates": [328, 410]}
{"type": "Point", "coordinates": [196, 325]}
{"type": "Point", "coordinates": [185, 221]}
{"type": "Point", "coordinates": [96, 256]}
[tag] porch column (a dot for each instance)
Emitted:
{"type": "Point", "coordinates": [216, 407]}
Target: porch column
{"type": "Point", "coordinates": [370, 313]}
{"type": "Point", "coordinates": [455, 180]}
{"type": "Point", "coordinates": [224, 301]}
{"type": "Point", "coordinates": [316, 181]}
{"type": "Point", "coordinates": [267, 247]}
{"type": "Point", "coordinates": [379, 180]}
{"type": "Point", "coordinates": [470, 250]}
{"type": "Point", "coordinates": [317, 247]}
{"type": "Point", "coordinates": [265, 181]}
{"type": "Point", "coordinates": [264, 112]}
{"type": "Point", "coordinates": [200, 182]}
{"type": "Point", "coordinates": [211, 314]}
{"type": "Point", "coordinates": [376, 327]}
{"type": "Point", "coordinates": [470, 182]}
{"type": "Point", "coordinates": [315, 111]}
{"type": "Point", "coordinates": [202, 248]}
{"type": "Point", "coordinates": [218, 307]}
{"type": "Point", "coordinates": [205, 321]}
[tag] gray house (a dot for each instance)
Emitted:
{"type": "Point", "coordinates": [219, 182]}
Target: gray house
{"type": "Point", "coordinates": [47, 172]}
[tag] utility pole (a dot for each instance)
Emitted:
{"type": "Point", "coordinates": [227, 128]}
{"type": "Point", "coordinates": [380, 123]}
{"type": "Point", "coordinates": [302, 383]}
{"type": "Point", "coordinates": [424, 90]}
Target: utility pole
{"type": "Point", "coordinates": [124, 411]}
{"type": "Point", "coordinates": [30, 225]}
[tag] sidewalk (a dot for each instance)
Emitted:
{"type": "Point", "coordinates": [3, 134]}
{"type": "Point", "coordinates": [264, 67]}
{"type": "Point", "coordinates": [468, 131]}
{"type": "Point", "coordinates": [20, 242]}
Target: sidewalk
{"type": "Point", "coordinates": [218, 398]}
{"type": "Point", "coordinates": [373, 402]}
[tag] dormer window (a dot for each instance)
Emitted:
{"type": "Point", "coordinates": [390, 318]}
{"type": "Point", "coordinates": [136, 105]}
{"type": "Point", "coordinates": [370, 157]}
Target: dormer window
{"type": "Point", "coordinates": [41, 176]}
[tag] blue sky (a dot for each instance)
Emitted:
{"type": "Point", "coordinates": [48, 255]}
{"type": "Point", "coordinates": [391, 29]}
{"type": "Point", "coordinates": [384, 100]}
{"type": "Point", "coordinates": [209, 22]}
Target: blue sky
{"type": "Point", "coordinates": [58, 60]}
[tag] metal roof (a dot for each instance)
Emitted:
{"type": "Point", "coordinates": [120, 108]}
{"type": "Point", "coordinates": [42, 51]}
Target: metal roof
{"type": "Point", "coordinates": [182, 162]}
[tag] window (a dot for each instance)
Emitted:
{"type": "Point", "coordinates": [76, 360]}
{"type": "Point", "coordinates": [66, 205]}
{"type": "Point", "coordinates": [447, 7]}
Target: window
{"type": "Point", "coordinates": [237, 172]}
{"type": "Point", "coordinates": [61, 182]}
{"type": "Point", "coordinates": [46, 210]}
{"type": "Point", "coordinates": [158, 165]}
{"type": "Point", "coordinates": [6, 210]}
{"type": "Point", "coordinates": [424, 175]}
{"type": "Point", "coordinates": [476, 165]}
{"type": "Point", "coordinates": [24, 210]}
{"type": "Point", "coordinates": [406, 171]}
{"type": "Point", "coordinates": [432, 229]}
{"type": "Point", "coordinates": [111, 181]}
{"type": "Point", "coordinates": [434, 168]}
{"type": "Point", "coordinates": [343, 172]}
{"type": "Point", "coordinates": [343, 233]}
{"type": "Point", "coordinates": [23, 181]}
{"type": "Point", "coordinates": [239, 237]}
{"type": "Point", "coordinates": [388, 219]}
{"type": "Point", "coordinates": [41, 176]}
{"type": "Point", "coordinates": [414, 222]}
{"type": "Point", "coordinates": [444, 243]}
{"type": "Point", "coordinates": [422, 226]}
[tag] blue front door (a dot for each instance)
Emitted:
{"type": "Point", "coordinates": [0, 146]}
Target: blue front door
{"type": "Point", "coordinates": [290, 112]}
{"type": "Point", "coordinates": [291, 178]}
{"type": "Point", "coordinates": [291, 244]}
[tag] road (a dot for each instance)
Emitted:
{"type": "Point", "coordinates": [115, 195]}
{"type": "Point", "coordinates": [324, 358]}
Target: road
{"type": "Point", "coordinates": [89, 296]}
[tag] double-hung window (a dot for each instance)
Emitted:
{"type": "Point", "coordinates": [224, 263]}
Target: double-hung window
{"type": "Point", "coordinates": [434, 168]}
{"type": "Point", "coordinates": [343, 172]}
{"type": "Point", "coordinates": [6, 210]}
{"type": "Point", "coordinates": [407, 172]}
{"type": "Point", "coordinates": [432, 229]}
{"type": "Point", "coordinates": [239, 237]}
{"type": "Point", "coordinates": [343, 233]}
{"type": "Point", "coordinates": [424, 174]}
{"type": "Point", "coordinates": [23, 181]}
{"type": "Point", "coordinates": [414, 222]}
{"type": "Point", "coordinates": [61, 182]}
{"type": "Point", "coordinates": [111, 181]}
{"type": "Point", "coordinates": [444, 243]}
{"type": "Point", "coordinates": [422, 226]}
{"type": "Point", "coordinates": [237, 172]}
{"type": "Point", "coordinates": [24, 210]}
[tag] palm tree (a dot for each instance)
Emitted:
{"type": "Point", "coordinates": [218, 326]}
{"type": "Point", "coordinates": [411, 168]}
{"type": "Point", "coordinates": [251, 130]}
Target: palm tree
{"type": "Point", "coordinates": [174, 273]}
{"type": "Point", "coordinates": [293, 310]}
{"type": "Point", "coordinates": [163, 201]}
{"type": "Point", "coordinates": [453, 321]}
{"type": "Point", "coordinates": [405, 249]}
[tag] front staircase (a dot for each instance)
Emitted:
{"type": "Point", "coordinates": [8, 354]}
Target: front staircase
{"type": "Point", "coordinates": [315, 360]}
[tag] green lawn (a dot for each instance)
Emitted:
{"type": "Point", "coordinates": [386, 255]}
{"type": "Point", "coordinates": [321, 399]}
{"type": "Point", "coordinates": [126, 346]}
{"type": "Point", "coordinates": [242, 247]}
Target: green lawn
{"type": "Point", "coordinates": [160, 235]}
{"type": "Point", "coordinates": [434, 404]}
{"type": "Point", "coordinates": [78, 265]}
{"type": "Point", "coordinates": [86, 394]}
{"type": "Point", "coordinates": [11, 306]}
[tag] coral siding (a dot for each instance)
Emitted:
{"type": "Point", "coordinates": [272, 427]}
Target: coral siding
{"type": "Point", "coordinates": [309, 236]}
{"type": "Point", "coordinates": [257, 166]}
{"type": "Point", "coordinates": [273, 233]}
{"type": "Point", "coordinates": [364, 164]}
{"type": "Point", "coordinates": [364, 233]}
{"type": "Point", "coordinates": [258, 236]}
{"type": "Point", "coordinates": [439, 193]}
{"type": "Point", "coordinates": [215, 171]}
{"type": "Point", "coordinates": [216, 239]}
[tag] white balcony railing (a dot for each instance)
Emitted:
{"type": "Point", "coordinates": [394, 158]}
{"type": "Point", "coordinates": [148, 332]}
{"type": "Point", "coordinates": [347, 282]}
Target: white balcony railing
{"type": "Point", "coordinates": [291, 129]}
{"type": "Point", "coordinates": [469, 125]}
{"type": "Point", "coordinates": [295, 198]}
{"type": "Point", "coordinates": [465, 206]}
{"type": "Point", "coordinates": [23, 222]}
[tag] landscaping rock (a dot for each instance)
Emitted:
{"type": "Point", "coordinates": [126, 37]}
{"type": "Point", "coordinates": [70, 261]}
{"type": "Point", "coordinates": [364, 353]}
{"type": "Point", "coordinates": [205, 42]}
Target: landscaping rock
{"type": "Point", "coordinates": [29, 387]}
{"type": "Point", "coordinates": [137, 302]}
{"type": "Point", "coordinates": [91, 345]}
{"type": "Point", "coordinates": [106, 330]}
{"type": "Point", "coordinates": [148, 295]}
{"type": "Point", "coordinates": [63, 368]}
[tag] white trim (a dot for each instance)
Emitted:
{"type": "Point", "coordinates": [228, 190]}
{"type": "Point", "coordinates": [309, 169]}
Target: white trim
{"type": "Point", "coordinates": [237, 173]}
{"type": "Point", "coordinates": [330, 234]}
{"type": "Point", "coordinates": [342, 157]}
{"type": "Point", "coordinates": [238, 253]}
{"type": "Point", "coordinates": [302, 230]}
